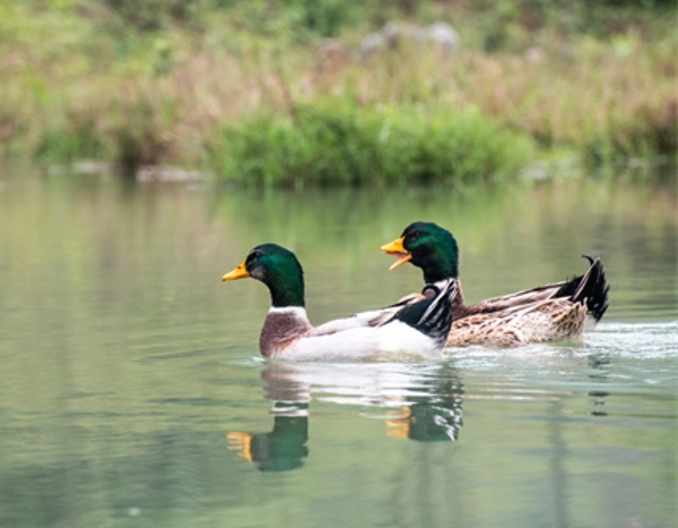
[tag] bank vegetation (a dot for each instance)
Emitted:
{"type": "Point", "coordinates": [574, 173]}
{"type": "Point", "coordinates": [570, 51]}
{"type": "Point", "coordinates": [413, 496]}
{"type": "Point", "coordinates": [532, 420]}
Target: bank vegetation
{"type": "Point", "coordinates": [330, 92]}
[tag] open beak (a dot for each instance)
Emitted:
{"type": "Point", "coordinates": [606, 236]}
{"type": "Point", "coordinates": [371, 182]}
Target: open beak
{"type": "Point", "coordinates": [238, 273]}
{"type": "Point", "coordinates": [397, 249]}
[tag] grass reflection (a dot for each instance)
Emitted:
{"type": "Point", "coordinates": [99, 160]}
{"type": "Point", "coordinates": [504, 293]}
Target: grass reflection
{"type": "Point", "coordinates": [125, 360]}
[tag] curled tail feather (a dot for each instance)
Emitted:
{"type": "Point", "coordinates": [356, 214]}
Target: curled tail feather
{"type": "Point", "coordinates": [591, 289]}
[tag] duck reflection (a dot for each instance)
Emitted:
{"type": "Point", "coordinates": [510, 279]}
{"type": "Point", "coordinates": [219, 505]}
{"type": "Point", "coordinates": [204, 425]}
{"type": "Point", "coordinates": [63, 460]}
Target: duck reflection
{"type": "Point", "coordinates": [282, 449]}
{"type": "Point", "coordinates": [422, 402]}
{"type": "Point", "coordinates": [428, 421]}
{"type": "Point", "coordinates": [599, 367]}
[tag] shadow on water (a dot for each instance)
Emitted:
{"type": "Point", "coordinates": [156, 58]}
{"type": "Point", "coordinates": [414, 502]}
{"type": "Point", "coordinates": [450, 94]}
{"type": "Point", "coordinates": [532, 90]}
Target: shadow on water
{"type": "Point", "coordinates": [424, 405]}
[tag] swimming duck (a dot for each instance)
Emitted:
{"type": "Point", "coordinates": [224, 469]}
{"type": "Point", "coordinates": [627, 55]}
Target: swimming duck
{"type": "Point", "coordinates": [545, 313]}
{"type": "Point", "coordinates": [420, 327]}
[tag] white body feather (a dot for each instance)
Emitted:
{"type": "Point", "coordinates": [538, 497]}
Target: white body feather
{"type": "Point", "coordinates": [346, 341]}
{"type": "Point", "coordinates": [359, 320]}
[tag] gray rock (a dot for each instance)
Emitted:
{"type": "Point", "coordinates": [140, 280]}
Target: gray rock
{"type": "Point", "coordinates": [444, 35]}
{"type": "Point", "coordinates": [394, 34]}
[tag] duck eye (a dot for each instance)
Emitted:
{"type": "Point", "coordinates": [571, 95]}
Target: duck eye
{"type": "Point", "coordinates": [254, 255]}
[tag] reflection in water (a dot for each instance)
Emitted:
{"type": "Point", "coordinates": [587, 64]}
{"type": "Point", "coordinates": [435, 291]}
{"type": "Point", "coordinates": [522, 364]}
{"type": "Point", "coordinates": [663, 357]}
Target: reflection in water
{"type": "Point", "coordinates": [435, 415]}
{"type": "Point", "coordinates": [284, 447]}
{"type": "Point", "coordinates": [424, 403]}
{"type": "Point", "coordinates": [557, 463]}
{"type": "Point", "coordinates": [598, 363]}
{"type": "Point", "coordinates": [108, 421]}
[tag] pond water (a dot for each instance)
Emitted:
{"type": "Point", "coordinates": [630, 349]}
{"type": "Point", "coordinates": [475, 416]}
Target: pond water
{"type": "Point", "coordinates": [133, 394]}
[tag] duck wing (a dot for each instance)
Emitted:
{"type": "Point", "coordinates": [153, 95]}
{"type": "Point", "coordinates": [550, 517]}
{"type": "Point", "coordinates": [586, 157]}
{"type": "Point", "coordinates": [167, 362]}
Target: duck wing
{"type": "Point", "coordinates": [591, 288]}
{"type": "Point", "coordinates": [547, 313]}
{"type": "Point", "coordinates": [432, 315]}
{"type": "Point", "coordinates": [369, 318]}
{"type": "Point", "coordinates": [547, 320]}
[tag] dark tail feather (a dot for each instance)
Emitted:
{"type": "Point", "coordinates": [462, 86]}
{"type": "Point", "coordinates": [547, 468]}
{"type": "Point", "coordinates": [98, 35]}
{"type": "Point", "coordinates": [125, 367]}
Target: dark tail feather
{"type": "Point", "coordinates": [590, 288]}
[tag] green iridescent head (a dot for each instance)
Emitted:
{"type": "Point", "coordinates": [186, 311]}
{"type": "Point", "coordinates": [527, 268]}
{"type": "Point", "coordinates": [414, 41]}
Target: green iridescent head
{"type": "Point", "coordinates": [429, 247]}
{"type": "Point", "coordinates": [278, 269]}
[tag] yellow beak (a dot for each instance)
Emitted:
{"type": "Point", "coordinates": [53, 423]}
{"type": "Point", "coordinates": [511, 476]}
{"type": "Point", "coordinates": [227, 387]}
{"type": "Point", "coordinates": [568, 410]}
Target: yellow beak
{"type": "Point", "coordinates": [238, 273]}
{"type": "Point", "coordinates": [241, 442]}
{"type": "Point", "coordinates": [396, 248]}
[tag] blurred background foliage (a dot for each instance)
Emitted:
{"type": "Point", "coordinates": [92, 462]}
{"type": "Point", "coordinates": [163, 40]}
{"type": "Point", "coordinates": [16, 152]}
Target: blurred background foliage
{"type": "Point", "coordinates": [159, 81]}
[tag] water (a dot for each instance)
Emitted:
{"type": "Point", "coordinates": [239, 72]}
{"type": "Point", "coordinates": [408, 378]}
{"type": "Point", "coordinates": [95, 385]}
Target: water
{"type": "Point", "coordinates": [133, 394]}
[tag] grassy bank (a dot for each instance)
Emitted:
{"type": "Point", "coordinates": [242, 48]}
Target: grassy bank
{"type": "Point", "coordinates": [258, 93]}
{"type": "Point", "coordinates": [345, 143]}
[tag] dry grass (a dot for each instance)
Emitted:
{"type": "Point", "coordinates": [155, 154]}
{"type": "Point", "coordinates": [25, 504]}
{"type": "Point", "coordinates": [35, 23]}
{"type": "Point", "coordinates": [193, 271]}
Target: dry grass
{"type": "Point", "coordinates": [606, 100]}
{"type": "Point", "coordinates": [592, 97]}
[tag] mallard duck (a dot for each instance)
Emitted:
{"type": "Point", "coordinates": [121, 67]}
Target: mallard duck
{"type": "Point", "coordinates": [545, 313]}
{"type": "Point", "coordinates": [420, 327]}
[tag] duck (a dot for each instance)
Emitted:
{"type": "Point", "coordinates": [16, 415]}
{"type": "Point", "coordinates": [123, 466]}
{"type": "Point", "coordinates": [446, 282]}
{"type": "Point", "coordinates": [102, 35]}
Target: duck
{"type": "Point", "coordinates": [551, 312]}
{"type": "Point", "coordinates": [420, 327]}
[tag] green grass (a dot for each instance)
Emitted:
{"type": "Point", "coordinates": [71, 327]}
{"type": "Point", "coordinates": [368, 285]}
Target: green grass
{"type": "Point", "coordinates": [339, 142]}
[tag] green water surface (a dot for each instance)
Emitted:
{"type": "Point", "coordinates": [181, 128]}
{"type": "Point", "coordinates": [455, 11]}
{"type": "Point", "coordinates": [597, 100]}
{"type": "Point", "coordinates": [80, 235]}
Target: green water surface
{"type": "Point", "coordinates": [132, 393]}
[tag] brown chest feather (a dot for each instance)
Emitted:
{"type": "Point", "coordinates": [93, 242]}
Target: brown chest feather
{"type": "Point", "coordinates": [280, 330]}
